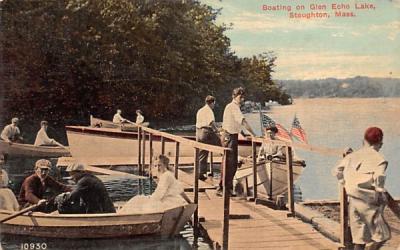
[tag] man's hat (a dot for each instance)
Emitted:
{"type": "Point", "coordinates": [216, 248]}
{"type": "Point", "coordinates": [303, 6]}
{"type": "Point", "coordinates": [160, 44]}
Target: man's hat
{"type": "Point", "coordinates": [15, 119]}
{"type": "Point", "coordinates": [43, 163]}
{"type": "Point", "coordinates": [75, 167]}
{"type": "Point", "coordinates": [373, 135]}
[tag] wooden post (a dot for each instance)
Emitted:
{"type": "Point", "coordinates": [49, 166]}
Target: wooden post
{"type": "Point", "coordinates": [270, 181]}
{"type": "Point", "coordinates": [150, 152]}
{"type": "Point", "coordinates": [254, 151]}
{"type": "Point", "coordinates": [226, 197]}
{"type": "Point", "coordinates": [162, 145]}
{"type": "Point", "coordinates": [289, 166]}
{"type": "Point", "coordinates": [176, 159]}
{"type": "Point", "coordinates": [344, 218]}
{"type": "Point", "coordinates": [151, 161]}
{"type": "Point", "coordinates": [139, 134]}
{"type": "Point", "coordinates": [211, 164]}
{"type": "Point", "coordinates": [141, 171]}
{"type": "Point", "coordinates": [196, 192]}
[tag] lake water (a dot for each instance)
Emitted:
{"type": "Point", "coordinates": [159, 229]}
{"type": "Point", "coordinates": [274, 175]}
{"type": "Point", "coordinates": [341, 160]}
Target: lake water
{"type": "Point", "coordinates": [340, 123]}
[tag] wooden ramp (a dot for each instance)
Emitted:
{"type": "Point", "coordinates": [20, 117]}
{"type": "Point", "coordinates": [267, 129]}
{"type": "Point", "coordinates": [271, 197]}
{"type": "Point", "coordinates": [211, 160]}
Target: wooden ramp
{"type": "Point", "coordinates": [257, 227]}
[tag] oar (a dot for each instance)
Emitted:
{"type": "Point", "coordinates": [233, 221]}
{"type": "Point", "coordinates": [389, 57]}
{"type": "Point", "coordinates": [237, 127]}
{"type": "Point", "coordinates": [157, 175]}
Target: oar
{"type": "Point", "coordinates": [113, 172]}
{"type": "Point", "coordinates": [21, 212]}
{"type": "Point", "coordinates": [392, 204]}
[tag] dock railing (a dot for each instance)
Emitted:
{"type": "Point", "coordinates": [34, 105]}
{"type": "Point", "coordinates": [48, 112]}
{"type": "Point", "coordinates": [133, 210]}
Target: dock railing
{"type": "Point", "coordinates": [144, 132]}
{"type": "Point", "coordinates": [345, 238]}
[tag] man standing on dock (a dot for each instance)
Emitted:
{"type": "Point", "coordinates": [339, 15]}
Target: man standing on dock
{"type": "Point", "coordinates": [233, 121]}
{"type": "Point", "coordinates": [363, 175]}
{"type": "Point", "coordinates": [206, 132]}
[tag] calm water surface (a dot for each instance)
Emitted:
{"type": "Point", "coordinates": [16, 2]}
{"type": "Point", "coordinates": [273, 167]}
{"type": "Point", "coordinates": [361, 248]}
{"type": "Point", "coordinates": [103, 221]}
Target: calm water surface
{"type": "Point", "coordinates": [338, 123]}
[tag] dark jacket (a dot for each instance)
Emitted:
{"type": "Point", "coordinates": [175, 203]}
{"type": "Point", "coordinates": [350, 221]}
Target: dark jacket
{"type": "Point", "coordinates": [32, 188]}
{"type": "Point", "coordinates": [93, 194]}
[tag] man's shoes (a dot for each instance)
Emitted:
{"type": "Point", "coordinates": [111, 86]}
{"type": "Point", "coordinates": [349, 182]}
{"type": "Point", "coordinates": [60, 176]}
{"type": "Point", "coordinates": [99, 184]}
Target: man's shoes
{"type": "Point", "coordinates": [221, 193]}
{"type": "Point", "coordinates": [202, 177]}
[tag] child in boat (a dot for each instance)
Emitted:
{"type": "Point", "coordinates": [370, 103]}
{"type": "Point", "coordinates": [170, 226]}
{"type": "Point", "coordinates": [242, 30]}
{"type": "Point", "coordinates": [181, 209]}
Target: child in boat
{"type": "Point", "coordinates": [168, 194]}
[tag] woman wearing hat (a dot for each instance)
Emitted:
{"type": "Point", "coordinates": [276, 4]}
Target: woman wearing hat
{"type": "Point", "coordinates": [363, 175]}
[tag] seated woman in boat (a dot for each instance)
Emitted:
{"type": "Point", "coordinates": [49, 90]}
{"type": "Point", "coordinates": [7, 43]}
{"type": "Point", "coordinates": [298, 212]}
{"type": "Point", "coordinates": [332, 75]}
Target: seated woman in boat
{"type": "Point", "coordinates": [8, 201]}
{"type": "Point", "coordinates": [168, 194]}
{"type": "Point", "coordinates": [11, 132]}
{"type": "Point", "coordinates": [42, 139]}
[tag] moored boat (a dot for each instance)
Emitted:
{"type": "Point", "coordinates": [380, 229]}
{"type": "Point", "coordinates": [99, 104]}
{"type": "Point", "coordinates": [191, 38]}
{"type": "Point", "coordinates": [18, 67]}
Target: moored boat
{"type": "Point", "coordinates": [165, 224]}
{"type": "Point", "coordinates": [28, 150]}
{"type": "Point", "coordinates": [264, 168]}
{"type": "Point", "coordinates": [107, 146]}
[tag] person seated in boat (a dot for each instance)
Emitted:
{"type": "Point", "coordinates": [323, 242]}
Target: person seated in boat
{"type": "Point", "coordinates": [118, 117]}
{"type": "Point", "coordinates": [8, 201]}
{"type": "Point", "coordinates": [269, 151]}
{"type": "Point", "coordinates": [139, 117]}
{"type": "Point", "coordinates": [89, 196]}
{"type": "Point", "coordinates": [168, 194]}
{"type": "Point", "coordinates": [42, 139]}
{"type": "Point", "coordinates": [11, 132]}
{"type": "Point", "coordinates": [34, 187]}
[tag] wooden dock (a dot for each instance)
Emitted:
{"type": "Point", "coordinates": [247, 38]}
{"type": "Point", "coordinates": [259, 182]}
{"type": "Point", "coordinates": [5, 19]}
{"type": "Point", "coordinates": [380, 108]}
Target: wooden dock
{"type": "Point", "coordinates": [253, 226]}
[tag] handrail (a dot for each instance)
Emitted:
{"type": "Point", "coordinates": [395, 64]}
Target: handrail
{"type": "Point", "coordinates": [308, 147]}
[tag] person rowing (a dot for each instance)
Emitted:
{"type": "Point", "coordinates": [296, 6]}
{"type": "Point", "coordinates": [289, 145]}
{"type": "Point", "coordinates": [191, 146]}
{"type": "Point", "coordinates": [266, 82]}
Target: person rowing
{"type": "Point", "coordinates": [42, 139]}
{"type": "Point", "coordinates": [11, 132]}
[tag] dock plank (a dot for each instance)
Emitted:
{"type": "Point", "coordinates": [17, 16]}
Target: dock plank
{"type": "Point", "coordinates": [265, 229]}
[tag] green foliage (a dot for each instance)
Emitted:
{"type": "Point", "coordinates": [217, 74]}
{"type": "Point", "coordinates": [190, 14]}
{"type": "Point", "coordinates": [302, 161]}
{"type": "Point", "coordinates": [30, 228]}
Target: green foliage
{"type": "Point", "coordinates": [65, 59]}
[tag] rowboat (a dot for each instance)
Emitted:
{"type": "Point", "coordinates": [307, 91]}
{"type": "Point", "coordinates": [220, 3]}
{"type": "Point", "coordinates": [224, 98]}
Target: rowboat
{"type": "Point", "coordinates": [244, 175]}
{"type": "Point", "coordinates": [164, 224]}
{"type": "Point", "coordinates": [100, 123]}
{"type": "Point", "coordinates": [107, 146]}
{"type": "Point", "coordinates": [28, 150]}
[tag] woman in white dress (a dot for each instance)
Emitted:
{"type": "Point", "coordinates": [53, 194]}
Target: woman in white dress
{"type": "Point", "coordinates": [168, 194]}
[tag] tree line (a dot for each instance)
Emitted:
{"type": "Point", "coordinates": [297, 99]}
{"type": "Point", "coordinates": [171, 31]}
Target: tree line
{"type": "Point", "coordinates": [349, 87]}
{"type": "Point", "coordinates": [65, 59]}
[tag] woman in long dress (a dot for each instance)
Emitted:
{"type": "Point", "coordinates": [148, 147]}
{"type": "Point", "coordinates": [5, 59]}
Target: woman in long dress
{"type": "Point", "coordinates": [168, 194]}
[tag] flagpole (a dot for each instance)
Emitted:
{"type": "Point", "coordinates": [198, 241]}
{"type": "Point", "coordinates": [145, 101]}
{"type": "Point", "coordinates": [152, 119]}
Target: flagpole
{"type": "Point", "coordinates": [261, 123]}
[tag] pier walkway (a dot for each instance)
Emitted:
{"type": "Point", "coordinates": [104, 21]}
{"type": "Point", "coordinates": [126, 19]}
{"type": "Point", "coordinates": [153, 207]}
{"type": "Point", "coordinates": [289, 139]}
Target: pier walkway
{"type": "Point", "coordinates": [253, 226]}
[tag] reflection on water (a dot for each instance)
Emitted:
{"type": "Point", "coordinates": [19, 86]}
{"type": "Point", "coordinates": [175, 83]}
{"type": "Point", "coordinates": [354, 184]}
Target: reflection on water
{"type": "Point", "coordinates": [120, 189]}
{"type": "Point", "coordinates": [338, 123]}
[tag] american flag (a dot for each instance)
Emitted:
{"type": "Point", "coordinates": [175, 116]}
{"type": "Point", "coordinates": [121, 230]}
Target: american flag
{"type": "Point", "coordinates": [282, 134]}
{"type": "Point", "coordinates": [297, 131]}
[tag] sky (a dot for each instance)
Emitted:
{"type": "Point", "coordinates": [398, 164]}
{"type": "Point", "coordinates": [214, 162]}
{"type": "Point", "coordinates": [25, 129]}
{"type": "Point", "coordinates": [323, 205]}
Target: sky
{"type": "Point", "coordinates": [367, 44]}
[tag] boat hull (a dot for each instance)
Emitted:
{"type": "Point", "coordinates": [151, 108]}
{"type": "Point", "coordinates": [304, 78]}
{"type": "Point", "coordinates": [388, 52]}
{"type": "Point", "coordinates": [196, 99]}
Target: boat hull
{"type": "Point", "coordinates": [279, 175]}
{"type": "Point", "coordinates": [28, 150]}
{"type": "Point", "coordinates": [166, 224]}
{"type": "Point", "coordinates": [102, 146]}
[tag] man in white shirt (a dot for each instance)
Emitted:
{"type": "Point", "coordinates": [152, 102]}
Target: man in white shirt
{"type": "Point", "coordinates": [233, 121]}
{"type": "Point", "coordinates": [11, 132]}
{"type": "Point", "coordinates": [42, 139]}
{"type": "Point", "coordinates": [206, 132]}
{"type": "Point", "coordinates": [363, 174]}
{"type": "Point", "coordinates": [118, 117]}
